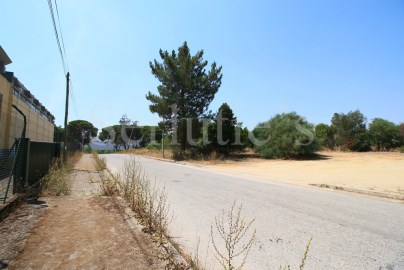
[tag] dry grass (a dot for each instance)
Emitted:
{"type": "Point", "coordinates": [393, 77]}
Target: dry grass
{"type": "Point", "coordinates": [236, 236]}
{"type": "Point", "coordinates": [57, 181]}
{"type": "Point", "coordinates": [100, 162]}
{"type": "Point", "coordinates": [149, 203]}
{"type": "Point", "coordinates": [108, 184]}
{"type": "Point", "coordinates": [108, 181]}
{"type": "Point", "coordinates": [168, 154]}
{"type": "Point", "coordinates": [147, 200]}
{"type": "Point", "coordinates": [303, 261]}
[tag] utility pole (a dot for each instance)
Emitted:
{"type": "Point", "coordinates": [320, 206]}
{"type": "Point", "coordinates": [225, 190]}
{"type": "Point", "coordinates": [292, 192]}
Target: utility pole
{"type": "Point", "coordinates": [66, 114]}
{"type": "Point", "coordinates": [162, 137]}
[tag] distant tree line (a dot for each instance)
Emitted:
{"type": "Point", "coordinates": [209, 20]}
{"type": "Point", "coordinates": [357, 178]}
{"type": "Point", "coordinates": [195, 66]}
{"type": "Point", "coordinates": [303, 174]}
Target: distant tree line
{"type": "Point", "coordinates": [351, 132]}
{"type": "Point", "coordinates": [187, 88]}
{"type": "Point", "coordinates": [79, 132]}
{"type": "Point", "coordinates": [127, 134]}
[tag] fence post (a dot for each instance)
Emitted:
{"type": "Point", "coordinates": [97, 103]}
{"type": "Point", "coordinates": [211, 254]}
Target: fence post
{"type": "Point", "coordinates": [26, 161]}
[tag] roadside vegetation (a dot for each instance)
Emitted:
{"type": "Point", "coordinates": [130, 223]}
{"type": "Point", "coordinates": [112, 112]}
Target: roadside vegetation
{"type": "Point", "coordinates": [57, 181]}
{"type": "Point", "coordinates": [149, 203]}
{"type": "Point", "coordinates": [156, 153]}
{"type": "Point", "coordinates": [237, 238]}
{"type": "Point", "coordinates": [190, 130]}
{"type": "Point", "coordinates": [147, 200]}
{"type": "Point", "coordinates": [286, 136]}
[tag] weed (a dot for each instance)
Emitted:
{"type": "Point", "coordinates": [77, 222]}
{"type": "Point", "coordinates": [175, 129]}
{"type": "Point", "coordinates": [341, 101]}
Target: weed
{"type": "Point", "coordinates": [303, 261]}
{"type": "Point", "coordinates": [108, 184]}
{"type": "Point", "coordinates": [168, 153]}
{"type": "Point", "coordinates": [100, 162]}
{"type": "Point", "coordinates": [57, 181]}
{"type": "Point", "coordinates": [146, 199]}
{"type": "Point", "coordinates": [234, 231]}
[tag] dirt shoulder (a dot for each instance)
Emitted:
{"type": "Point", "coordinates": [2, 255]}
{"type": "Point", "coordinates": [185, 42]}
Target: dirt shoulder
{"type": "Point", "coordinates": [378, 172]}
{"type": "Point", "coordinates": [79, 231]}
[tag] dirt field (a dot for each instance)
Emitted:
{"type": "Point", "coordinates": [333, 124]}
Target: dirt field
{"type": "Point", "coordinates": [383, 172]}
{"type": "Point", "coordinates": [80, 231]}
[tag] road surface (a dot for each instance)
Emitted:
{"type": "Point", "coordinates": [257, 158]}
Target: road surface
{"type": "Point", "coordinates": [348, 231]}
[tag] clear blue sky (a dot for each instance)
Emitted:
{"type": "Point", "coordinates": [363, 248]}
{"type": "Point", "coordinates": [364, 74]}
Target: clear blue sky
{"type": "Point", "coordinates": [312, 57]}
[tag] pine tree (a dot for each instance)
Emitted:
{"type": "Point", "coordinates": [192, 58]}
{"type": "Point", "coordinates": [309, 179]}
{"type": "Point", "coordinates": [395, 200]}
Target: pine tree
{"type": "Point", "coordinates": [185, 84]}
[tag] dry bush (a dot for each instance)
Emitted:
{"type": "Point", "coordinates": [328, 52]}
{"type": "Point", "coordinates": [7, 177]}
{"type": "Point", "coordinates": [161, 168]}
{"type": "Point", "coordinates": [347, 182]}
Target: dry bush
{"type": "Point", "coordinates": [73, 158]}
{"type": "Point", "coordinates": [150, 205]}
{"type": "Point", "coordinates": [100, 162]}
{"type": "Point", "coordinates": [236, 236]}
{"type": "Point", "coordinates": [57, 181]}
{"type": "Point", "coordinates": [168, 154]}
{"type": "Point", "coordinates": [108, 181]}
{"type": "Point", "coordinates": [146, 199]}
{"type": "Point", "coordinates": [212, 158]}
{"type": "Point", "coordinates": [193, 259]}
{"type": "Point", "coordinates": [108, 184]}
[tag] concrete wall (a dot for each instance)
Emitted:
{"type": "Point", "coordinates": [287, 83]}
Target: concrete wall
{"type": "Point", "coordinates": [39, 128]}
{"type": "Point", "coordinates": [6, 96]}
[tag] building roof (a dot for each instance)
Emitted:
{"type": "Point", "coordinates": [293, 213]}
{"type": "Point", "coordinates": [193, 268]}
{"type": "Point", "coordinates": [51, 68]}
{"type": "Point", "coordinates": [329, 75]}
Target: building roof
{"type": "Point", "coordinates": [24, 92]}
{"type": "Point", "coordinates": [4, 57]}
{"type": "Point", "coordinates": [34, 101]}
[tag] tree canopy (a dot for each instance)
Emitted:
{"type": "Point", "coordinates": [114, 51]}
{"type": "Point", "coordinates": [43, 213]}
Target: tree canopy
{"type": "Point", "coordinates": [138, 136]}
{"type": "Point", "coordinates": [185, 86]}
{"type": "Point", "coordinates": [286, 135]}
{"type": "Point", "coordinates": [222, 131]}
{"type": "Point", "coordinates": [384, 134]}
{"type": "Point", "coordinates": [351, 131]}
{"type": "Point", "coordinates": [325, 135]}
{"type": "Point", "coordinates": [78, 128]}
{"type": "Point", "coordinates": [58, 134]}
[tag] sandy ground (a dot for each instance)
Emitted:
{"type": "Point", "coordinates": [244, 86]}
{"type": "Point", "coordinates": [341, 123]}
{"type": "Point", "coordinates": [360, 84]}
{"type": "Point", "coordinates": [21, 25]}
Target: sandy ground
{"type": "Point", "coordinates": [80, 231]}
{"type": "Point", "coordinates": [382, 172]}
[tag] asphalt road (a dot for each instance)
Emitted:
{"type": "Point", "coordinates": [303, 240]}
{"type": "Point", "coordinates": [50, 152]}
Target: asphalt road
{"type": "Point", "coordinates": [349, 231]}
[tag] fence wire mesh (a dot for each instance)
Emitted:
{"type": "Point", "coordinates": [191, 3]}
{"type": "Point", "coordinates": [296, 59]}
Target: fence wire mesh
{"type": "Point", "coordinates": [12, 169]}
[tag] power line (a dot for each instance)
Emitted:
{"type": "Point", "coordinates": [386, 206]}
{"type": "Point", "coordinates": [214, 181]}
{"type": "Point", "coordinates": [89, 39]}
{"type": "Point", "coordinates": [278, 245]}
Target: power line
{"type": "Point", "coordinates": [56, 34]}
{"type": "Point", "coordinates": [62, 49]}
{"type": "Point", "coordinates": [65, 67]}
{"type": "Point", "coordinates": [61, 34]}
{"type": "Point", "coordinates": [73, 98]}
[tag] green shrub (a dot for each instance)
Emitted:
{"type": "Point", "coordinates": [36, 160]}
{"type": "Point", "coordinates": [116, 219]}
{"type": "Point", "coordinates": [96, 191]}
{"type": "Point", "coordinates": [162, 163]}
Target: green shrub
{"type": "Point", "coordinates": [87, 149]}
{"type": "Point", "coordinates": [384, 134]}
{"type": "Point", "coordinates": [325, 136]}
{"type": "Point", "coordinates": [286, 136]}
{"type": "Point", "coordinates": [351, 132]}
{"type": "Point", "coordinates": [153, 145]}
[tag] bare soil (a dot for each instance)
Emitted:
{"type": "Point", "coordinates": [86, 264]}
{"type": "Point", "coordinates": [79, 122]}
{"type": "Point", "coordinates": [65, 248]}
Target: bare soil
{"type": "Point", "coordinates": [383, 172]}
{"type": "Point", "coordinates": [80, 231]}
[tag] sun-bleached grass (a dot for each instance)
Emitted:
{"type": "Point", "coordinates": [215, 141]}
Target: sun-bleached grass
{"type": "Point", "coordinates": [57, 181]}
{"type": "Point", "coordinates": [146, 198]}
{"type": "Point", "coordinates": [100, 162]}
{"type": "Point", "coordinates": [168, 154]}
